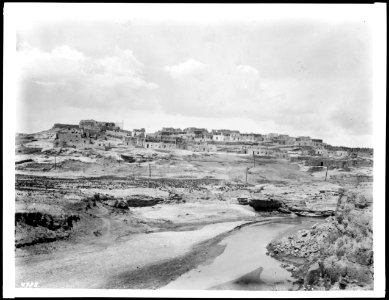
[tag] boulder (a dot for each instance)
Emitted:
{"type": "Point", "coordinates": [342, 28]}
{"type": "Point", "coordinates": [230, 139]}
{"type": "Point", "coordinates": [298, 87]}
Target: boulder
{"type": "Point", "coordinates": [175, 198]}
{"type": "Point", "coordinates": [361, 202]}
{"type": "Point", "coordinates": [243, 200]}
{"type": "Point", "coordinates": [121, 204]}
{"type": "Point", "coordinates": [128, 158]}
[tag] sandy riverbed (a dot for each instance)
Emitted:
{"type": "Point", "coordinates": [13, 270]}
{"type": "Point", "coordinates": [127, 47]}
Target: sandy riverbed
{"type": "Point", "coordinates": [94, 266]}
{"type": "Point", "coordinates": [244, 265]}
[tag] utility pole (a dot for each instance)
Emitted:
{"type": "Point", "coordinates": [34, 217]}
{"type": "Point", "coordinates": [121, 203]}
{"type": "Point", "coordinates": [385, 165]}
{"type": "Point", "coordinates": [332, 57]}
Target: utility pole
{"type": "Point", "coordinates": [326, 174]}
{"type": "Point", "coordinates": [247, 169]}
{"type": "Point", "coordinates": [275, 282]}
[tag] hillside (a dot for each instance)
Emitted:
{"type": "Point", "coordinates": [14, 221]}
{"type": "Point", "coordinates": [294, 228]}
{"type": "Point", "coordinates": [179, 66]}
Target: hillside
{"type": "Point", "coordinates": [79, 198]}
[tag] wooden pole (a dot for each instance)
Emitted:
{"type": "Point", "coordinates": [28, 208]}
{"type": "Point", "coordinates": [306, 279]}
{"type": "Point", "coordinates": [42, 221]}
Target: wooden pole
{"type": "Point", "coordinates": [275, 282]}
{"type": "Point", "coordinates": [247, 169]}
{"type": "Point", "coordinates": [326, 174]}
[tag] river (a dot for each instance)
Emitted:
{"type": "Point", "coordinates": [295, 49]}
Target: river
{"type": "Point", "coordinates": [244, 265]}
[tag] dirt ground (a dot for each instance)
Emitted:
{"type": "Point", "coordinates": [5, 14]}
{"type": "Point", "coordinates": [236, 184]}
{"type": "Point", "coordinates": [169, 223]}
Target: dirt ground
{"type": "Point", "coordinates": [74, 228]}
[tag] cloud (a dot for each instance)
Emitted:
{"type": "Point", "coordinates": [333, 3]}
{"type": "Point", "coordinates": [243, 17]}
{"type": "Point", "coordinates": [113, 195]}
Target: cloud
{"type": "Point", "coordinates": [60, 64]}
{"type": "Point", "coordinates": [248, 70]}
{"type": "Point", "coordinates": [122, 62]}
{"type": "Point", "coordinates": [294, 105]}
{"type": "Point", "coordinates": [221, 91]}
{"type": "Point", "coordinates": [72, 78]}
{"type": "Point", "coordinates": [320, 84]}
{"type": "Point", "coordinates": [190, 67]}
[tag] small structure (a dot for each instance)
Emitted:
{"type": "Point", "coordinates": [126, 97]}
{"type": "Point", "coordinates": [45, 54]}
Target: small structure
{"type": "Point", "coordinates": [204, 147]}
{"type": "Point", "coordinates": [341, 153]}
{"type": "Point", "coordinates": [139, 133]}
{"type": "Point", "coordinates": [258, 150]}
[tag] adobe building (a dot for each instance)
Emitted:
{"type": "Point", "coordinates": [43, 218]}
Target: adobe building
{"type": "Point", "coordinates": [303, 141]}
{"type": "Point", "coordinates": [257, 150]}
{"type": "Point", "coordinates": [139, 133]}
{"type": "Point", "coordinates": [317, 142]}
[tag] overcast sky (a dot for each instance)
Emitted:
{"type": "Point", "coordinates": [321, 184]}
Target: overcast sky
{"type": "Point", "coordinates": [298, 76]}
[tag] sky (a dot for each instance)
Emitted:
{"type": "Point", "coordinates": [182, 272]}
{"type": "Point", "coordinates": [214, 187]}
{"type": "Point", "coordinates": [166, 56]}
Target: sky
{"type": "Point", "coordinates": [302, 72]}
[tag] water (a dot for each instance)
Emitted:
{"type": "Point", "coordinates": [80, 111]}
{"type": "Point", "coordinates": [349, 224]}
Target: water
{"type": "Point", "coordinates": [244, 264]}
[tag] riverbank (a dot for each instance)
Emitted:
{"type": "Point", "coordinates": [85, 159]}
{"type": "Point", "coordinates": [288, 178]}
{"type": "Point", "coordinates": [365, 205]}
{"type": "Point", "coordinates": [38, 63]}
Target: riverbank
{"type": "Point", "coordinates": [334, 255]}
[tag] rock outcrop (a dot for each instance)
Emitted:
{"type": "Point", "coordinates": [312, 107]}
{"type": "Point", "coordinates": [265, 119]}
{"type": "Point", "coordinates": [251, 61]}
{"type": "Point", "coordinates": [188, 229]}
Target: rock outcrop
{"type": "Point", "coordinates": [128, 158]}
{"type": "Point", "coordinates": [131, 200]}
{"type": "Point", "coordinates": [310, 200]}
{"type": "Point", "coordinates": [304, 212]}
{"type": "Point", "coordinates": [265, 204]}
{"type": "Point", "coordinates": [23, 161]}
{"type": "Point", "coordinates": [142, 200]}
{"type": "Point", "coordinates": [33, 228]}
{"type": "Point", "coordinates": [51, 222]}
